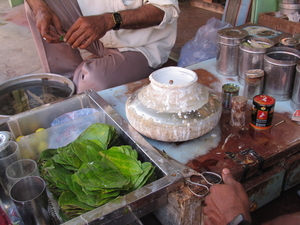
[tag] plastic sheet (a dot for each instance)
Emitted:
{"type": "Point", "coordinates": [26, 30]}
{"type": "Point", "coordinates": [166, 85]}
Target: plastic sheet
{"type": "Point", "coordinates": [204, 45]}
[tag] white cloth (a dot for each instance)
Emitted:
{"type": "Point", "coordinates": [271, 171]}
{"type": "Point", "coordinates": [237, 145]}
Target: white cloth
{"type": "Point", "coordinates": [154, 42]}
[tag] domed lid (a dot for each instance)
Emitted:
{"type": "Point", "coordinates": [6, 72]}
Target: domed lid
{"type": "Point", "coordinates": [174, 89]}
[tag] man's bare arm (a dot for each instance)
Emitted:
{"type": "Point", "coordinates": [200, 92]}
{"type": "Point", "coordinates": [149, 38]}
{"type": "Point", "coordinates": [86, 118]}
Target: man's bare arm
{"type": "Point", "coordinates": [90, 28]}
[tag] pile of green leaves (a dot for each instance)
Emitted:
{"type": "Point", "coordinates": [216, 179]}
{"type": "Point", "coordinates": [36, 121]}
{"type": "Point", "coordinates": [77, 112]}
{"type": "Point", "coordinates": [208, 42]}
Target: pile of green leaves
{"type": "Point", "coordinates": [93, 170]}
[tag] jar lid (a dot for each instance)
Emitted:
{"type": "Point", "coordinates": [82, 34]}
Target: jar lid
{"type": "Point", "coordinates": [289, 41]}
{"type": "Point", "coordinates": [231, 35]}
{"type": "Point", "coordinates": [255, 73]}
{"type": "Point", "coordinates": [264, 100]}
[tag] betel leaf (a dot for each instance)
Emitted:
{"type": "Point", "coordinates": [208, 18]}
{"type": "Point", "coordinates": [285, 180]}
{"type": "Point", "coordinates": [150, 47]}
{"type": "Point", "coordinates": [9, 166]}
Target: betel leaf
{"type": "Point", "coordinates": [87, 151]}
{"type": "Point", "coordinates": [126, 164]}
{"type": "Point", "coordinates": [105, 133]}
{"type": "Point", "coordinates": [126, 149]}
{"type": "Point", "coordinates": [67, 158]}
{"type": "Point", "coordinates": [47, 154]}
{"type": "Point", "coordinates": [91, 198]}
{"type": "Point", "coordinates": [56, 173]}
{"type": "Point", "coordinates": [68, 200]}
{"type": "Point", "coordinates": [96, 176]}
{"type": "Point", "coordinates": [140, 180]}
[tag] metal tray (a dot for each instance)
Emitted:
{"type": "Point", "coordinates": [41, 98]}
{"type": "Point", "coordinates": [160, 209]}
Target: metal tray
{"type": "Point", "coordinates": [127, 209]}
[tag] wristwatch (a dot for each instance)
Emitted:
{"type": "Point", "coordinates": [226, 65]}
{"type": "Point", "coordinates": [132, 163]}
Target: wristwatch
{"type": "Point", "coordinates": [117, 19]}
{"type": "Point", "coordinates": [239, 220]}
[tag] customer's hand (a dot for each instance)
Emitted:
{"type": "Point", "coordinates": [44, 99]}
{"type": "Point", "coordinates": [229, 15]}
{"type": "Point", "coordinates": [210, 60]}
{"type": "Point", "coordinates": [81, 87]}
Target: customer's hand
{"type": "Point", "coordinates": [226, 201]}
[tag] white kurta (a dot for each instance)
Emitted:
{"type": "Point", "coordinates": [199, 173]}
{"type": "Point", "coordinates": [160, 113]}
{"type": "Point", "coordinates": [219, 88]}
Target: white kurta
{"type": "Point", "coordinates": [154, 42]}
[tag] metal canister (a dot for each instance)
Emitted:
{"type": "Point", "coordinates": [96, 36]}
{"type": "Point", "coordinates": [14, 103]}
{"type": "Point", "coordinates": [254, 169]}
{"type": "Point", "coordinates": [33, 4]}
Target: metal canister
{"type": "Point", "coordinates": [228, 50]}
{"type": "Point", "coordinates": [254, 83]}
{"type": "Point", "coordinates": [288, 8]}
{"type": "Point", "coordinates": [228, 91]}
{"type": "Point", "coordinates": [252, 57]}
{"type": "Point", "coordinates": [295, 101]}
{"type": "Point", "coordinates": [262, 112]}
{"type": "Point", "coordinates": [280, 69]}
{"type": "Point", "coordinates": [289, 1]}
{"type": "Point", "coordinates": [291, 42]}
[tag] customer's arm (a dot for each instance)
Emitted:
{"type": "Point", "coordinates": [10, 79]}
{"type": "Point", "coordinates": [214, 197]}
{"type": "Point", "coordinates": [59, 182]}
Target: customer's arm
{"type": "Point", "coordinates": [226, 201]}
{"type": "Point", "coordinates": [87, 29]}
{"type": "Point", "coordinates": [46, 20]}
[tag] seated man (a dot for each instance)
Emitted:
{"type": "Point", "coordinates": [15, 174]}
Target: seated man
{"type": "Point", "coordinates": [228, 203]}
{"type": "Point", "coordinates": [128, 38]}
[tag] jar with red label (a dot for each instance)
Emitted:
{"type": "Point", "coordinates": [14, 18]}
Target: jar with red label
{"type": "Point", "coordinates": [262, 112]}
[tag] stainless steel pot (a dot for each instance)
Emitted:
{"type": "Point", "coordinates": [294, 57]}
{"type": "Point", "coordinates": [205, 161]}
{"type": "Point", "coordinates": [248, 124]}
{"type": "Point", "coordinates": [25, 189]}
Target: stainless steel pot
{"type": "Point", "coordinates": [280, 68]}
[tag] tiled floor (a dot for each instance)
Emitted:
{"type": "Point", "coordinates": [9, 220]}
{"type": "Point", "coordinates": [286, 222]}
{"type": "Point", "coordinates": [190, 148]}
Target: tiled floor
{"type": "Point", "coordinates": [18, 57]}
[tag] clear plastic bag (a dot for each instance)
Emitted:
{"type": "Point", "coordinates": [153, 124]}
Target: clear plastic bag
{"type": "Point", "coordinates": [73, 116]}
{"type": "Point", "coordinates": [204, 45]}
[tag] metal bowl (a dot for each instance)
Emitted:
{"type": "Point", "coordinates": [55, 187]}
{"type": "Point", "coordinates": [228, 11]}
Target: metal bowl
{"type": "Point", "coordinates": [33, 90]}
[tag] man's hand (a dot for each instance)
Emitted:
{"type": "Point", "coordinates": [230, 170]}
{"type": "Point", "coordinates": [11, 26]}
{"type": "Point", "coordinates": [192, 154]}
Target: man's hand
{"type": "Point", "coordinates": [87, 29]}
{"type": "Point", "coordinates": [226, 201]}
{"type": "Point", "coordinates": [47, 21]}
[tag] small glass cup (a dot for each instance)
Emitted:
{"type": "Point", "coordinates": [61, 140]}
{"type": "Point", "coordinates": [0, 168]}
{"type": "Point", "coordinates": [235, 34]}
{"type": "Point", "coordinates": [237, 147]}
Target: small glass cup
{"type": "Point", "coordinates": [9, 153]}
{"type": "Point", "coordinates": [30, 197]}
{"type": "Point", "coordinates": [21, 168]}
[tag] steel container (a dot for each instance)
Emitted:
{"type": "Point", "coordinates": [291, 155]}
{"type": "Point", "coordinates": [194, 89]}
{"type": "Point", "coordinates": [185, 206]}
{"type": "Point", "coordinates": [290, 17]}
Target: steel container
{"type": "Point", "coordinates": [227, 58]}
{"type": "Point", "coordinates": [295, 102]}
{"type": "Point", "coordinates": [30, 91]}
{"type": "Point", "coordinates": [280, 68]}
{"type": "Point", "coordinates": [251, 57]}
{"type": "Point", "coordinates": [287, 8]}
{"type": "Point", "coordinates": [289, 1]}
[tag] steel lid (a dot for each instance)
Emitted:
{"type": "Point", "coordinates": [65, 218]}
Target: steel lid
{"type": "Point", "coordinates": [289, 41]}
{"type": "Point", "coordinates": [231, 36]}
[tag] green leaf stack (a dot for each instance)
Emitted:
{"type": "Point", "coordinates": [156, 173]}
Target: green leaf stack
{"type": "Point", "coordinates": [93, 170]}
